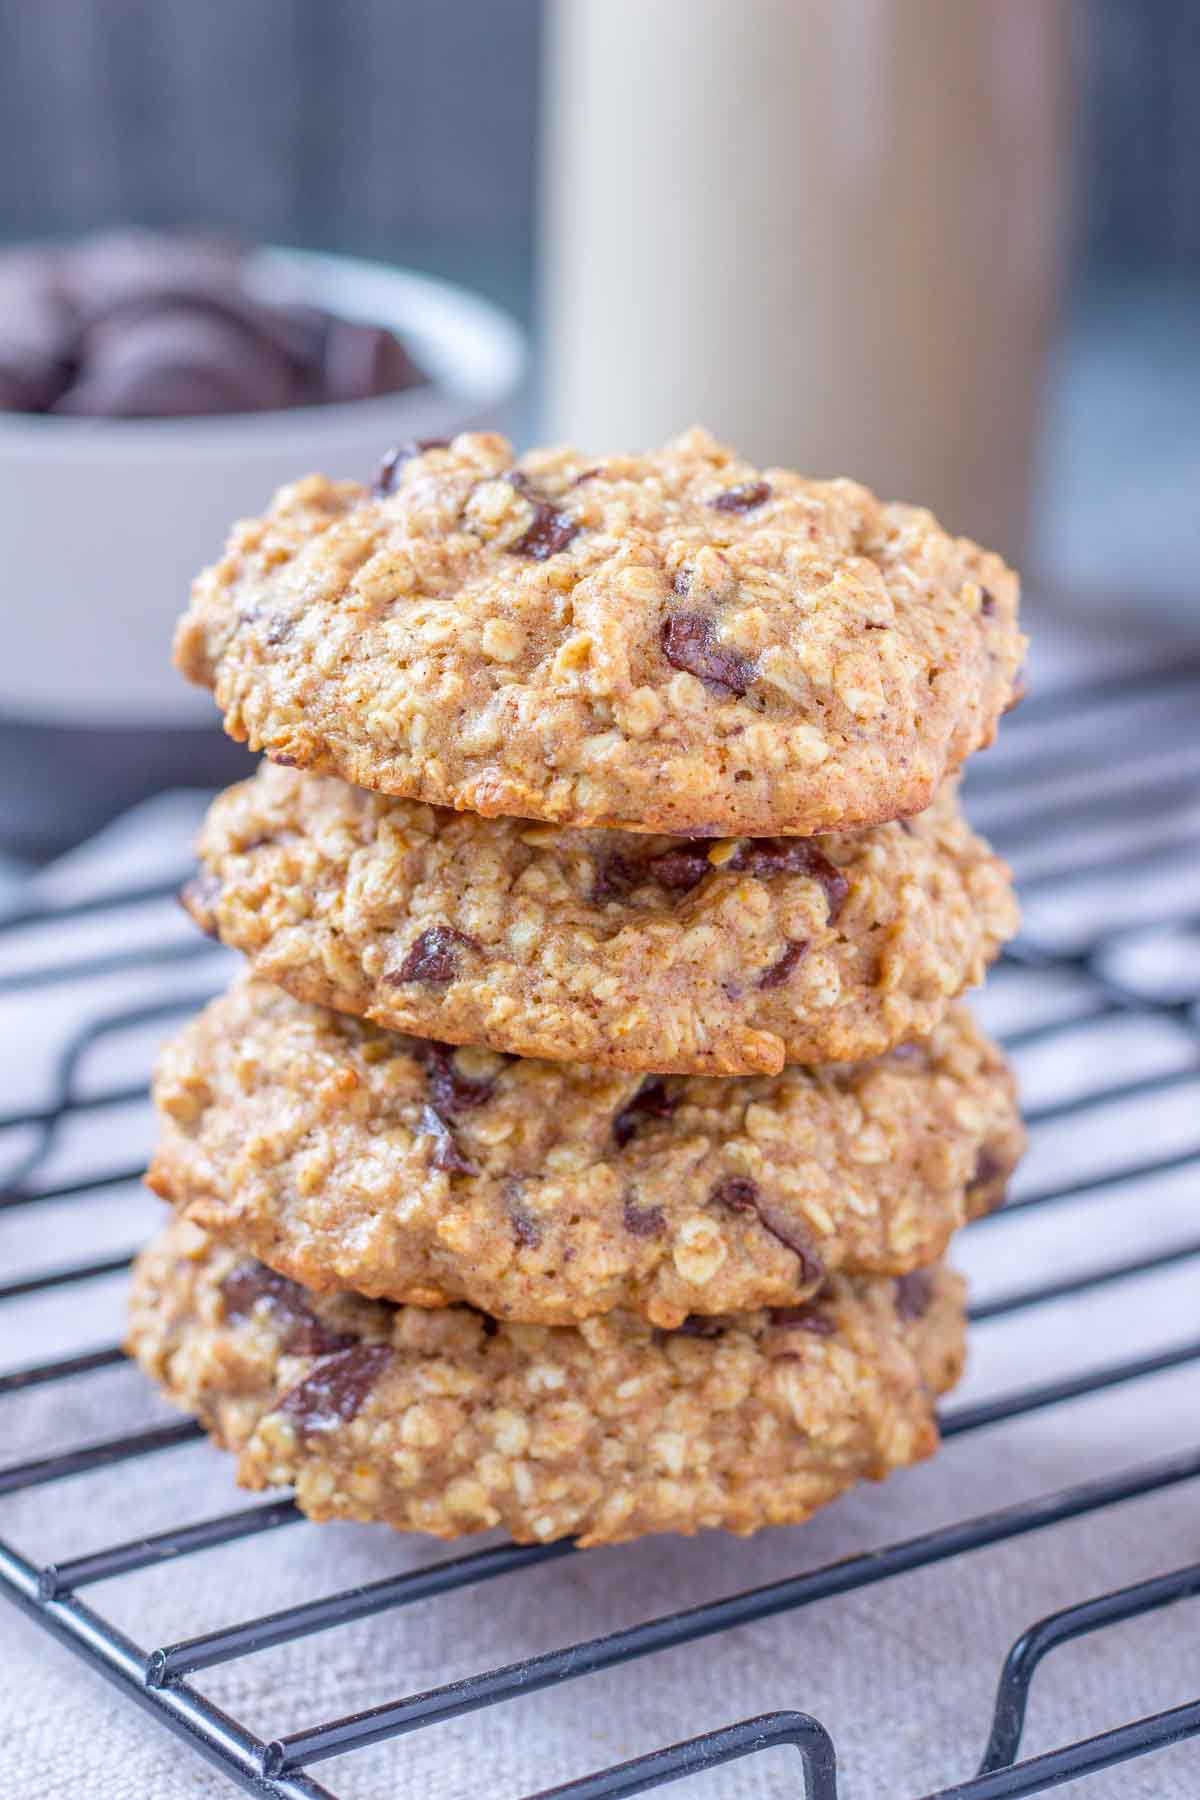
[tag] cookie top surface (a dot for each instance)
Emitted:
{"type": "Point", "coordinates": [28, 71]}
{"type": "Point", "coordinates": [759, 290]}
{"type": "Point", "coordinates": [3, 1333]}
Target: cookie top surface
{"type": "Point", "coordinates": [672, 642]}
{"type": "Point", "coordinates": [655, 954]}
{"type": "Point", "coordinates": [446, 1423]}
{"type": "Point", "coordinates": [349, 1157]}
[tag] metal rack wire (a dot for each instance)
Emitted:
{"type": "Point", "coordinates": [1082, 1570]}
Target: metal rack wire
{"type": "Point", "coordinates": [1052, 745]}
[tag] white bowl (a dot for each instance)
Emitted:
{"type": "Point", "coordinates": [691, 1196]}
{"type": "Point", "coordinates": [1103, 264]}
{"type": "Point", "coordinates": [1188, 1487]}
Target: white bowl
{"type": "Point", "coordinates": [104, 522]}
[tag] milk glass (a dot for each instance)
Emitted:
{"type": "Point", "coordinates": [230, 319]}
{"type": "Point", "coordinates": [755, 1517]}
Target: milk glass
{"type": "Point", "coordinates": [828, 229]}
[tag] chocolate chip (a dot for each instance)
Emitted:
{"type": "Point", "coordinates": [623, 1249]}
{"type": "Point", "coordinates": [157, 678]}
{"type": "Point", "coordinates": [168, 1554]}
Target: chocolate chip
{"type": "Point", "coordinates": [742, 499]}
{"type": "Point", "coordinates": [526, 1227]}
{"type": "Point", "coordinates": [794, 856]}
{"type": "Point", "coordinates": [615, 877]}
{"type": "Point", "coordinates": [199, 898]}
{"type": "Point", "coordinates": [779, 971]}
{"type": "Point", "coordinates": [644, 1221]}
{"type": "Point", "coordinates": [653, 1100]}
{"type": "Point", "coordinates": [689, 642]}
{"type": "Point", "coordinates": [803, 1318]}
{"type": "Point", "coordinates": [176, 360]}
{"type": "Point", "coordinates": [914, 1293]}
{"type": "Point", "coordinates": [792, 1237]}
{"type": "Point", "coordinates": [133, 325]}
{"type": "Point", "coordinates": [738, 1194]}
{"type": "Point", "coordinates": [279, 629]}
{"type": "Point", "coordinates": [697, 1325]}
{"type": "Point", "coordinates": [987, 603]}
{"type": "Point", "coordinates": [987, 1168]}
{"type": "Point", "coordinates": [434, 956]}
{"type": "Point", "coordinates": [385, 481]}
{"type": "Point", "coordinates": [989, 1171]}
{"type": "Point", "coordinates": [360, 361]}
{"type": "Point", "coordinates": [309, 1337]}
{"type": "Point", "coordinates": [446, 1154]}
{"type": "Point", "coordinates": [334, 1389]}
{"type": "Point", "coordinates": [250, 1282]}
{"type": "Point", "coordinates": [450, 1091]}
{"type": "Point", "coordinates": [676, 870]}
{"type": "Point", "coordinates": [679, 870]}
{"type": "Point", "coordinates": [284, 761]}
{"type": "Point", "coordinates": [551, 530]}
{"type": "Point", "coordinates": [305, 1335]}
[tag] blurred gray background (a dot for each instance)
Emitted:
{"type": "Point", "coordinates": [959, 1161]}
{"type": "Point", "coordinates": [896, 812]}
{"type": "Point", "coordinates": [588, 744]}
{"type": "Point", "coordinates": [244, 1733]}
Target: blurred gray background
{"type": "Point", "coordinates": [407, 129]}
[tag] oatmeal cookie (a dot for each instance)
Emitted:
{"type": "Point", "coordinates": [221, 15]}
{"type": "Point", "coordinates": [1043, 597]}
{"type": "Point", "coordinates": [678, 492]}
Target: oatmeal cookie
{"type": "Point", "coordinates": [675, 642]}
{"type": "Point", "coordinates": [350, 1157]}
{"type": "Point", "coordinates": [447, 1423]}
{"type": "Point", "coordinates": [660, 955]}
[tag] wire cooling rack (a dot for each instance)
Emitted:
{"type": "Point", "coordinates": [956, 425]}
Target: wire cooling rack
{"type": "Point", "coordinates": [1093, 787]}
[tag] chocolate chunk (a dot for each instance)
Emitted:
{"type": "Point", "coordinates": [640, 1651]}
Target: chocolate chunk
{"type": "Point", "coordinates": [742, 499]}
{"type": "Point", "coordinates": [803, 1318]}
{"type": "Point", "coordinates": [38, 335]}
{"type": "Point", "coordinates": [336, 1386]}
{"type": "Point", "coordinates": [914, 1293]}
{"type": "Point", "coordinates": [615, 877]}
{"type": "Point", "coordinates": [551, 530]}
{"type": "Point", "coordinates": [199, 898]}
{"type": "Point", "coordinates": [987, 603]}
{"type": "Point", "coordinates": [526, 1227]}
{"type": "Point", "coordinates": [176, 361]}
{"type": "Point", "coordinates": [305, 1335]}
{"type": "Point", "coordinates": [779, 971]}
{"type": "Point", "coordinates": [446, 1154]}
{"type": "Point", "coordinates": [989, 1171]}
{"type": "Point", "coordinates": [738, 1194]}
{"type": "Point", "coordinates": [793, 1238]}
{"type": "Point", "coordinates": [794, 856]}
{"type": "Point", "coordinates": [697, 1325]}
{"type": "Point", "coordinates": [360, 361]}
{"type": "Point", "coordinates": [397, 456]}
{"type": "Point", "coordinates": [250, 1282]}
{"type": "Point", "coordinates": [987, 1168]}
{"type": "Point", "coordinates": [279, 629]}
{"type": "Point", "coordinates": [450, 1091]}
{"type": "Point", "coordinates": [689, 642]}
{"type": "Point", "coordinates": [434, 956]}
{"type": "Point", "coordinates": [653, 1100]}
{"type": "Point", "coordinates": [676, 870]}
{"type": "Point", "coordinates": [138, 326]}
{"type": "Point", "coordinates": [644, 1221]}
{"type": "Point", "coordinates": [679, 870]}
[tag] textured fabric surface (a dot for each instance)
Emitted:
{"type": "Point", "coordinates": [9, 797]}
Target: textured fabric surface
{"type": "Point", "coordinates": [902, 1674]}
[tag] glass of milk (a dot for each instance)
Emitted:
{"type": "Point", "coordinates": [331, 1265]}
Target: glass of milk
{"type": "Point", "coordinates": [830, 230]}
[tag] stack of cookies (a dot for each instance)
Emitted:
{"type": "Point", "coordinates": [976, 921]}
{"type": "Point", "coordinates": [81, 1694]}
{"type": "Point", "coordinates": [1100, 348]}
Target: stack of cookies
{"type": "Point", "coordinates": [579, 1152]}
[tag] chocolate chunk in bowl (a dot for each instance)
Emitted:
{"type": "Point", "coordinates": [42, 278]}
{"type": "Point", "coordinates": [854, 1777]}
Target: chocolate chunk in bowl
{"type": "Point", "coordinates": [138, 326]}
